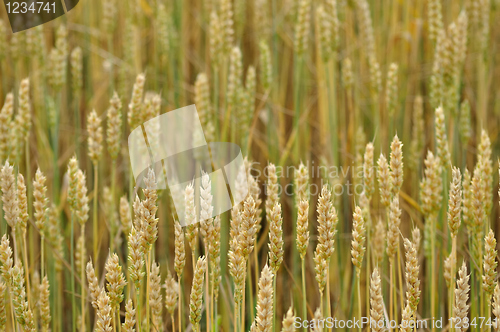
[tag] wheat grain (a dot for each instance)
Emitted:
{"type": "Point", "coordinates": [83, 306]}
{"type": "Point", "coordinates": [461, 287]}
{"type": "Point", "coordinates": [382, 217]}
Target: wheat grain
{"type": "Point", "coordinates": [288, 321]}
{"type": "Point", "coordinates": [125, 218]}
{"type": "Point", "coordinates": [263, 320]}
{"type": "Point", "coordinates": [324, 32]}
{"type": "Point", "coordinates": [215, 34]}
{"type": "Point", "coordinates": [76, 71]}
{"type": "Point", "coordinates": [412, 272]}
{"type": "Point", "coordinates": [155, 296]}
{"type": "Point", "coordinates": [41, 201]}
{"type": "Point", "coordinates": [376, 301]}
{"type": "Point", "coordinates": [366, 26]}
{"type": "Point", "coordinates": [128, 325]}
{"type": "Point", "coordinates": [5, 259]}
{"type": "Point", "coordinates": [485, 167]}
{"type": "Point", "coordinates": [464, 126]}
{"type": "Point", "coordinates": [302, 27]}
{"type": "Point", "coordinates": [489, 264]}
{"type": "Point", "coordinates": [24, 315]}
{"type": "Point", "coordinates": [103, 313]}
{"type": "Point", "coordinates": [276, 242]}
{"type": "Point", "coordinates": [214, 250]}
{"type": "Point", "coordinates": [248, 227]}
{"type": "Point", "coordinates": [327, 223]}
{"type": "Point", "coordinates": [171, 293]}
{"type": "Point", "coordinates": [320, 268]}
{"type": "Point", "coordinates": [114, 126]}
{"type": "Point", "coordinates": [206, 208]}
{"type": "Point", "coordinates": [435, 19]}
{"type": "Point", "coordinates": [234, 78]}
{"type": "Point", "coordinates": [443, 151]}
{"type": "Point", "coordinates": [396, 164]}
{"type": "Point", "coordinates": [80, 253]}
{"type": "Point", "coordinates": [196, 297]}
{"type": "Point", "coordinates": [22, 201]}
{"type": "Point", "coordinates": [135, 106]}
{"type": "Point", "coordinates": [135, 260]}
{"type": "Point", "coordinates": [94, 288]}
{"type": "Point", "coordinates": [5, 122]}
{"type": "Point", "coordinates": [416, 237]}
{"type": "Point", "coordinates": [190, 217]}
{"type": "Point", "coordinates": [384, 181]}
{"type": "Point", "coordinates": [81, 209]}
{"type": "Point", "coordinates": [266, 70]}
{"type": "Point", "coordinates": [180, 253]}
{"type": "Point", "coordinates": [461, 307]}
{"type": "Point", "coordinates": [358, 240]}
{"type": "Point", "coordinates": [227, 28]}
{"type": "Point", "coordinates": [45, 304]}
{"type": "Point", "coordinates": [149, 208]}
{"type": "Point", "coordinates": [347, 76]}
{"type": "Point", "coordinates": [393, 231]}
{"type": "Point", "coordinates": [431, 185]}
{"type": "Point", "coordinates": [95, 137]}
{"type": "Point", "coordinates": [3, 311]}
{"type": "Point", "coordinates": [496, 307]}
{"type": "Point", "coordinates": [418, 133]}
{"type": "Point", "coordinates": [303, 228]}
{"type": "Point", "coordinates": [391, 90]}
{"type": "Point", "coordinates": [8, 186]}
{"type": "Point", "coordinates": [455, 202]}
{"type": "Point", "coordinates": [449, 262]}
{"type": "Point", "coordinates": [116, 280]}
{"type": "Point", "coordinates": [379, 241]}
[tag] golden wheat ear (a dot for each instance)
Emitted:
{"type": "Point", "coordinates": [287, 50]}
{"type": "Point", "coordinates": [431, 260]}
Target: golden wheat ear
{"type": "Point", "coordinates": [196, 297]}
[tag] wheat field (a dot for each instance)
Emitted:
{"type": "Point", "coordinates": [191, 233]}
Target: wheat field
{"type": "Point", "coordinates": [368, 191]}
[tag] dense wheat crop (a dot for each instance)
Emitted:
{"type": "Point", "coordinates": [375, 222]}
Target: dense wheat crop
{"type": "Point", "coordinates": [370, 135]}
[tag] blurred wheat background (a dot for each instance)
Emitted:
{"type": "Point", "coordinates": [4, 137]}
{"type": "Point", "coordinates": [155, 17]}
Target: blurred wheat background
{"type": "Point", "coordinates": [370, 134]}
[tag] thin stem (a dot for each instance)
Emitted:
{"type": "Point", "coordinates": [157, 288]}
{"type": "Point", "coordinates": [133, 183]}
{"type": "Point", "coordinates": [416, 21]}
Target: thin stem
{"type": "Point", "coordinates": [113, 188]}
{"type": "Point", "coordinates": [94, 216]}
{"type": "Point", "coordinates": [72, 259]}
{"type": "Point", "coordinates": [207, 292]}
{"type": "Point", "coordinates": [236, 316]}
{"type": "Point", "coordinates": [358, 272]}
{"type": "Point", "coordinates": [304, 295]}
{"type": "Point", "coordinates": [26, 267]}
{"type": "Point", "coordinates": [118, 321]}
{"type": "Point", "coordinates": [327, 293]}
{"type": "Point", "coordinates": [82, 269]}
{"type": "Point", "coordinates": [242, 317]}
{"type": "Point", "coordinates": [148, 273]}
{"type": "Point", "coordinates": [391, 290]}
{"type": "Point", "coordinates": [296, 118]}
{"type": "Point", "coordinates": [179, 310]}
{"type": "Point", "coordinates": [433, 272]}
{"type": "Point", "coordinates": [138, 308]}
{"type": "Point", "coordinates": [274, 302]}
{"type": "Point", "coordinates": [400, 279]}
